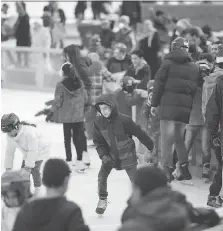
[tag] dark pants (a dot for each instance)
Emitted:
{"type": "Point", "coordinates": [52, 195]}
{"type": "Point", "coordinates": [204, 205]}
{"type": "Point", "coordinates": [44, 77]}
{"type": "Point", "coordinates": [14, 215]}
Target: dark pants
{"type": "Point", "coordinates": [37, 180]}
{"type": "Point", "coordinates": [216, 185]}
{"type": "Point", "coordinates": [76, 131]}
{"type": "Point", "coordinates": [103, 177]}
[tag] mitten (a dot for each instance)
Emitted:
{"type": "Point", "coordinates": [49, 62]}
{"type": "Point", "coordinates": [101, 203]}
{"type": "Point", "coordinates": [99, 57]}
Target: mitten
{"type": "Point", "coordinates": [49, 116]}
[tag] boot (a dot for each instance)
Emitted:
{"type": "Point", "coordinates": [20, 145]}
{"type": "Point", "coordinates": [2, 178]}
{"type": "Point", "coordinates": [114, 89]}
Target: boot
{"type": "Point", "coordinates": [101, 207]}
{"type": "Point", "coordinates": [214, 201]}
{"type": "Point", "coordinates": [80, 166]}
{"type": "Point", "coordinates": [183, 173]}
{"type": "Point", "coordinates": [86, 159]}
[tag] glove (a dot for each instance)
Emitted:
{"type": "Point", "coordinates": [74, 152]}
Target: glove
{"type": "Point", "coordinates": [49, 116]}
{"type": "Point", "coordinates": [107, 160]}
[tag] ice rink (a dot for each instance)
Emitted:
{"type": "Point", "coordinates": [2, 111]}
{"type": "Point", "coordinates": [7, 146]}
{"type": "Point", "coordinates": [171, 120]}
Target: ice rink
{"type": "Point", "coordinates": [83, 187]}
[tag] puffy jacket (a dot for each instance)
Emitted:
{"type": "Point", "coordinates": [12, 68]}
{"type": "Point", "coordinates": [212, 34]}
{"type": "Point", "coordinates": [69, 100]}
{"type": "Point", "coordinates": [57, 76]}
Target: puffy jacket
{"type": "Point", "coordinates": [114, 65]}
{"type": "Point", "coordinates": [214, 110]}
{"type": "Point", "coordinates": [31, 143]}
{"type": "Point", "coordinates": [113, 136]}
{"type": "Point", "coordinates": [175, 86]}
{"type": "Point", "coordinates": [164, 207]}
{"type": "Point", "coordinates": [68, 106]}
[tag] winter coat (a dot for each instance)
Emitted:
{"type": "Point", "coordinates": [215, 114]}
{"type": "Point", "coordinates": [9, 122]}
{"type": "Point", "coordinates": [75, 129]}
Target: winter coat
{"type": "Point", "coordinates": [31, 143]}
{"type": "Point", "coordinates": [113, 136]}
{"type": "Point", "coordinates": [57, 214]}
{"type": "Point", "coordinates": [125, 101]}
{"type": "Point", "coordinates": [114, 65]}
{"type": "Point", "coordinates": [214, 110]}
{"type": "Point", "coordinates": [151, 52]}
{"type": "Point", "coordinates": [68, 106]}
{"type": "Point", "coordinates": [107, 37]}
{"type": "Point", "coordinates": [143, 74]}
{"type": "Point", "coordinates": [96, 81]}
{"type": "Point", "coordinates": [175, 86]}
{"type": "Point", "coordinates": [208, 87]}
{"type": "Point", "coordinates": [169, 208]}
{"type": "Point", "coordinates": [22, 31]}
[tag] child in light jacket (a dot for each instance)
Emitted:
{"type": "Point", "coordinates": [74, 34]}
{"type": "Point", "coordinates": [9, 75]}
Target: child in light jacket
{"type": "Point", "coordinates": [33, 145]}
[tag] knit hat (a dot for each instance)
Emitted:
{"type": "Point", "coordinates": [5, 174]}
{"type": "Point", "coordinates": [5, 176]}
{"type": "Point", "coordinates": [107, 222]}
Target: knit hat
{"type": "Point", "coordinates": [121, 47]}
{"type": "Point", "coordinates": [149, 178]}
{"type": "Point", "coordinates": [128, 81]}
{"type": "Point", "coordinates": [219, 58]}
{"type": "Point", "coordinates": [179, 42]}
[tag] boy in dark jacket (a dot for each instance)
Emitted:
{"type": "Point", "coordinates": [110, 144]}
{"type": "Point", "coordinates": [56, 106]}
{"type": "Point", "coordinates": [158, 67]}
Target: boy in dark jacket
{"type": "Point", "coordinates": [113, 140]}
{"type": "Point", "coordinates": [175, 86]}
{"type": "Point", "coordinates": [54, 212]}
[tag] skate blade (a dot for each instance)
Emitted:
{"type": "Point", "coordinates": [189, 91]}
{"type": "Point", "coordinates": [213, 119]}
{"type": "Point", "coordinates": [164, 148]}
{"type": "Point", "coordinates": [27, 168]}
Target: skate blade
{"type": "Point", "coordinates": [187, 182]}
{"type": "Point", "coordinates": [80, 171]}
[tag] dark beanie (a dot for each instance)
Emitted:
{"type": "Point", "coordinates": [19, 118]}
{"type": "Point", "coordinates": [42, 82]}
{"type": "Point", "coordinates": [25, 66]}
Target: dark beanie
{"type": "Point", "coordinates": [54, 173]}
{"type": "Point", "coordinates": [149, 178]}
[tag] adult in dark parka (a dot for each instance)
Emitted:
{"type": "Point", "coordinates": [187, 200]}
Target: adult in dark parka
{"type": "Point", "coordinates": [174, 88]}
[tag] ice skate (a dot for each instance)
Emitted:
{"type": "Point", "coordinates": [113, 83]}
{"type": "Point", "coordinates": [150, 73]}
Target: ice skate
{"type": "Point", "coordinates": [37, 191]}
{"type": "Point", "coordinates": [101, 207]}
{"type": "Point", "coordinates": [168, 170]}
{"type": "Point", "coordinates": [183, 175]}
{"type": "Point", "coordinates": [71, 165]}
{"type": "Point", "coordinates": [86, 159]}
{"type": "Point", "coordinates": [80, 166]}
{"type": "Point", "coordinates": [214, 201]}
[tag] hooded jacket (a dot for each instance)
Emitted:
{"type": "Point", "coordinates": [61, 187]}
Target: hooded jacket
{"type": "Point", "coordinates": [208, 87]}
{"type": "Point", "coordinates": [164, 207]}
{"type": "Point", "coordinates": [69, 102]}
{"type": "Point", "coordinates": [175, 86]}
{"type": "Point", "coordinates": [113, 136]}
{"type": "Point", "coordinates": [50, 214]}
{"type": "Point", "coordinates": [214, 110]}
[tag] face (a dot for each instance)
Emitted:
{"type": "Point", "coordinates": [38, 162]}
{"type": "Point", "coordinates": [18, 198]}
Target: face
{"type": "Point", "coordinates": [54, 5]}
{"type": "Point", "coordinates": [105, 110]}
{"type": "Point", "coordinates": [11, 199]}
{"type": "Point", "coordinates": [136, 61]}
{"type": "Point", "coordinates": [5, 9]}
{"type": "Point", "coordinates": [118, 54]}
{"type": "Point", "coordinates": [148, 26]}
{"type": "Point", "coordinates": [214, 49]}
{"type": "Point", "coordinates": [193, 40]}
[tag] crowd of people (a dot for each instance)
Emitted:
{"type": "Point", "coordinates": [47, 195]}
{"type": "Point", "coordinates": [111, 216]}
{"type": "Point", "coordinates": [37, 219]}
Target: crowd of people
{"type": "Point", "coordinates": [124, 88]}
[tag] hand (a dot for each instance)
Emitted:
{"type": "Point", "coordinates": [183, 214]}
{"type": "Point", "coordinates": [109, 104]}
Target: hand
{"type": "Point", "coordinates": [154, 111]}
{"type": "Point", "coordinates": [106, 159]}
{"type": "Point", "coordinates": [144, 94]}
{"type": "Point", "coordinates": [49, 116]}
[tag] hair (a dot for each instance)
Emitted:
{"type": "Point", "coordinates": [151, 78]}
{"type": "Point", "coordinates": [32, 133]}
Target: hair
{"type": "Point", "coordinates": [149, 178]}
{"type": "Point", "coordinates": [54, 173]}
{"type": "Point", "coordinates": [159, 13]}
{"type": "Point", "coordinates": [207, 30]}
{"type": "Point", "coordinates": [192, 32]}
{"type": "Point", "coordinates": [209, 57]}
{"type": "Point", "coordinates": [68, 70]}
{"type": "Point", "coordinates": [5, 5]}
{"type": "Point", "coordinates": [73, 53]}
{"type": "Point", "coordinates": [139, 53]}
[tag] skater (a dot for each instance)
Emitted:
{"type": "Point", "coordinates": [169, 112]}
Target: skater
{"type": "Point", "coordinates": [53, 211]}
{"type": "Point", "coordinates": [214, 116]}
{"type": "Point", "coordinates": [153, 201]}
{"type": "Point", "coordinates": [68, 109]}
{"type": "Point", "coordinates": [15, 191]}
{"type": "Point", "coordinates": [113, 140]}
{"type": "Point", "coordinates": [30, 141]}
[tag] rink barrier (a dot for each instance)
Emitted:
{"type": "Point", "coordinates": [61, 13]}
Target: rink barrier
{"type": "Point", "coordinates": [41, 73]}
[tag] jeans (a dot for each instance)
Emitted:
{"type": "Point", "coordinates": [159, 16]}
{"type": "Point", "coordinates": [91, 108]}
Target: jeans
{"type": "Point", "coordinates": [76, 130]}
{"type": "Point", "coordinates": [89, 121]}
{"type": "Point", "coordinates": [206, 146]}
{"type": "Point", "coordinates": [103, 177]}
{"type": "Point", "coordinates": [172, 134]}
{"type": "Point", "coordinates": [216, 185]}
{"type": "Point", "coordinates": [37, 180]}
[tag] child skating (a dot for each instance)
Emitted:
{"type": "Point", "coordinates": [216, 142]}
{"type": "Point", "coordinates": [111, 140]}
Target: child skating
{"type": "Point", "coordinates": [112, 137]}
{"type": "Point", "coordinates": [29, 140]}
{"type": "Point", "coordinates": [68, 108]}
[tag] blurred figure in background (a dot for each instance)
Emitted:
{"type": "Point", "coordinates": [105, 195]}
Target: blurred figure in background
{"type": "Point", "coordinates": [133, 10]}
{"type": "Point", "coordinates": [125, 34]}
{"type": "Point", "coordinates": [22, 32]}
{"type": "Point", "coordinates": [107, 35]}
{"type": "Point", "coordinates": [98, 7]}
{"type": "Point", "coordinates": [58, 25]}
{"type": "Point", "coordinates": [80, 9]}
{"type": "Point", "coordinates": [208, 34]}
{"type": "Point", "coordinates": [150, 45]}
{"type": "Point", "coordinates": [95, 46]}
{"type": "Point", "coordinates": [120, 60]}
{"type": "Point", "coordinates": [4, 12]}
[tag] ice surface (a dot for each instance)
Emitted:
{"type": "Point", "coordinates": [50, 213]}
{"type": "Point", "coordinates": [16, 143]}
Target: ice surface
{"type": "Point", "coordinates": [83, 187]}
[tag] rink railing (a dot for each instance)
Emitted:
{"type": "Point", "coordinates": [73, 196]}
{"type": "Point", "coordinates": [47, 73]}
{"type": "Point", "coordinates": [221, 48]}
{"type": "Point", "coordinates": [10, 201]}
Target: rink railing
{"type": "Point", "coordinates": [30, 68]}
